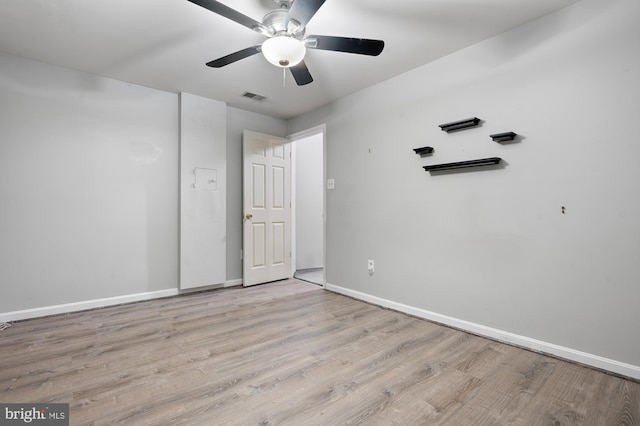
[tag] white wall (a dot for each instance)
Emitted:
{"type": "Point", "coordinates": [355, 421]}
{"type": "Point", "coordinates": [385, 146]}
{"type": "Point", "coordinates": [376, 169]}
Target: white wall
{"type": "Point", "coordinates": [309, 187]}
{"type": "Point", "coordinates": [88, 186]}
{"type": "Point", "coordinates": [89, 202]}
{"type": "Point", "coordinates": [237, 121]}
{"type": "Point", "coordinates": [492, 247]}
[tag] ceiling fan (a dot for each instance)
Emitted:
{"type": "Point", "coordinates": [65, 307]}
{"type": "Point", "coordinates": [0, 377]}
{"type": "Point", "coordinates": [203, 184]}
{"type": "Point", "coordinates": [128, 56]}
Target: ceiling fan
{"type": "Point", "coordinates": [287, 43]}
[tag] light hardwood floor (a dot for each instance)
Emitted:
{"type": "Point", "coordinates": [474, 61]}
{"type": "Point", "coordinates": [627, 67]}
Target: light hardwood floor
{"type": "Point", "coordinates": [292, 353]}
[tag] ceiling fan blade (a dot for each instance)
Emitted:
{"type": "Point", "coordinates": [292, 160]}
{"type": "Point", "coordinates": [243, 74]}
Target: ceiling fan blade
{"type": "Point", "coordinates": [301, 74]}
{"type": "Point", "coordinates": [233, 57]}
{"type": "Point", "coordinates": [232, 14]}
{"type": "Point", "coordinates": [361, 46]}
{"type": "Point", "coordinates": [303, 10]}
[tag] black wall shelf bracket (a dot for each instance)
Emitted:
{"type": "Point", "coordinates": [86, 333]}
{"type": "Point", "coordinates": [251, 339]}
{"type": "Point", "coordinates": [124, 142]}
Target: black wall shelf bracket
{"type": "Point", "coordinates": [463, 164]}
{"type": "Point", "coordinates": [460, 125]}
{"type": "Point", "coordinates": [425, 150]}
{"type": "Point", "coordinates": [503, 137]}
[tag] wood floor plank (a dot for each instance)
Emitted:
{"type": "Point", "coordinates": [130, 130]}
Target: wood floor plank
{"type": "Point", "coordinates": [291, 353]}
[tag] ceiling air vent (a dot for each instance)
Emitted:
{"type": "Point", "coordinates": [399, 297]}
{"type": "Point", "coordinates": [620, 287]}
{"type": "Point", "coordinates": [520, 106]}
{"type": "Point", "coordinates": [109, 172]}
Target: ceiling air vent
{"type": "Point", "coordinates": [254, 96]}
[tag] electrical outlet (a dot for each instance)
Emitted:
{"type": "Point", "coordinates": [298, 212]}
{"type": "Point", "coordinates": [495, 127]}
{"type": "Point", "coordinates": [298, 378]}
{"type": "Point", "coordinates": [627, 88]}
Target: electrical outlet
{"type": "Point", "coordinates": [370, 266]}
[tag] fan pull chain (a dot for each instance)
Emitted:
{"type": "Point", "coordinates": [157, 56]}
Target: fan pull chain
{"type": "Point", "coordinates": [284, 77]}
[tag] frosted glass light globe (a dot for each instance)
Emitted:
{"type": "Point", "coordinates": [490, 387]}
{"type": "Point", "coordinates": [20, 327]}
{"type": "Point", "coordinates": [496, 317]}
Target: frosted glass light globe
{"type": "Point", "coordinates": [283, 51]}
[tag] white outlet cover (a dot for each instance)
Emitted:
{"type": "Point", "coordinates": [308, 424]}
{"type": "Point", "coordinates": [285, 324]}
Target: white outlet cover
{"type": "Point", "coordinates": [331, 183]}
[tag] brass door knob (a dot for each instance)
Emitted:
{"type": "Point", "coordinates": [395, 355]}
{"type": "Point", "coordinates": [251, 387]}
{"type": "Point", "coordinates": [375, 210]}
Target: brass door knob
{"type": "Point", "coordinates": [248, 215]}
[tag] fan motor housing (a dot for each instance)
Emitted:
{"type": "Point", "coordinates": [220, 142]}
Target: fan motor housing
{"type": "Point", "coordinates": [276, 21]}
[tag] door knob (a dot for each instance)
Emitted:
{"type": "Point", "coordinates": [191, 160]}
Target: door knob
{"type": "Point", "coordinates": [248, 215]}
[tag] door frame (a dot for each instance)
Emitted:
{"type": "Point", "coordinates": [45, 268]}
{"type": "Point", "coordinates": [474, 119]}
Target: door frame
{"type": "Point", "coordinates": [320, 129]}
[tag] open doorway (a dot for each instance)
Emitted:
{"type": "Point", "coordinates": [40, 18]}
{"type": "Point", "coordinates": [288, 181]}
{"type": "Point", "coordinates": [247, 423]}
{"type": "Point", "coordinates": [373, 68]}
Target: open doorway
{"type": "Point", "coordinates": [308, 209]}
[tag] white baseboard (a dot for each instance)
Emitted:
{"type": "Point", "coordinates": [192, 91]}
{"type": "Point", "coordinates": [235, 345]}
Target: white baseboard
{"type": "Point", "coordinates": [596, 361]}
{"type": "Point", "coordinates": [232, 283]}
{"type": "Point", "coordinates": [100, 303]}
{"type": "Point", "coordinates": [84, 305]}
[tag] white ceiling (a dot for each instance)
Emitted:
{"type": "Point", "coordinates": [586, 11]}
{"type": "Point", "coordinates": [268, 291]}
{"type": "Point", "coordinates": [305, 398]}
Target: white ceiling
{"type": "Point", "coordinates": [165, 44]}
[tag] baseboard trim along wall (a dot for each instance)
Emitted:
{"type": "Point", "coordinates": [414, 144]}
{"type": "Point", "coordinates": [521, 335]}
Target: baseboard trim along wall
{"type": "Point", "coordinates": [569, 354]}
{"type": "Point", "coordinates": [232, 283]}
{"type": "Point", "coordinates": [101, 303]}
{"type": "Point", "coordinates": [84, 305]}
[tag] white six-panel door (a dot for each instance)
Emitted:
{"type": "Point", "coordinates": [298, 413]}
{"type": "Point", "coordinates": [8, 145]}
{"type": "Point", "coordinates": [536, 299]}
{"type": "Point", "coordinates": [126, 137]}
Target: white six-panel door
{"type": "Point", "coordinates": [267, 208]}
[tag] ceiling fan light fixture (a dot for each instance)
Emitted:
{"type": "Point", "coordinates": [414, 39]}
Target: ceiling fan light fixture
{"type": "Point", "coordinates": [283, 51]}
